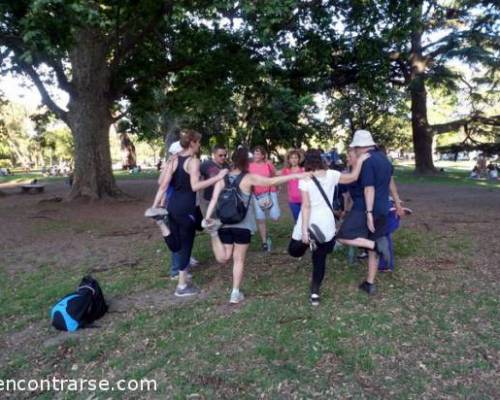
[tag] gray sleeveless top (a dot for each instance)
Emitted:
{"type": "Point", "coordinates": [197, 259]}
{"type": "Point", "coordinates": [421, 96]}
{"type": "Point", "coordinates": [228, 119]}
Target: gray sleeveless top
{"type": "Point", "coordinates": [249, 220]}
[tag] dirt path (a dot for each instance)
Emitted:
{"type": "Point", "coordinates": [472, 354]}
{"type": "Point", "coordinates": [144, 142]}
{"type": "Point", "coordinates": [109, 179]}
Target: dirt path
{"type": "Point", "coordinates": [107, 231]}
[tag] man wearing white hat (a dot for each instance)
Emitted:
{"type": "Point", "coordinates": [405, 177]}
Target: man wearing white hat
{"type": "Point", "coordinates": [366, 224]}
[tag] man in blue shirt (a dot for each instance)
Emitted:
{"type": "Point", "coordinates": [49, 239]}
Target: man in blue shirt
{"type": "Point", "coordinates": [366, 224]}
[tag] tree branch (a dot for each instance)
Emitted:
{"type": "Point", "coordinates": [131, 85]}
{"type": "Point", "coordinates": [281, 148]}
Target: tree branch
{"type": "Point", "coordinates": [47, 100]}
{"type": "Point", "coordinates": [62, 79]}
{"type": "Point", "coordinates": [459, 123]}
{"type": "Point", "coordinates": [398, 82]}
{"type": "Point", "coordinates": [133, 37]}
{"type": "Point", "coordinates": [399, 59]}
{"type": "Point", "coordinates": [16, 45]}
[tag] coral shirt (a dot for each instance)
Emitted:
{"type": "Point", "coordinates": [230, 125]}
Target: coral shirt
{"type": "Point", "coordinates": [294, 195]}
{"type": "Point", "coordinates": [263, 169]}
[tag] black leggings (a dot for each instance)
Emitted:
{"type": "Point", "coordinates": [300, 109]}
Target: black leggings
{"type": "Point", "coordinates": [297, 249]}
{"type": "Point", "coordinates": [319, 264]}
{"type": "Point", "coordinates": [181, 238]}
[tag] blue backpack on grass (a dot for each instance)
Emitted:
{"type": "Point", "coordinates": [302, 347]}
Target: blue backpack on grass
{"type": "Point", "coordinates": [80, 308]}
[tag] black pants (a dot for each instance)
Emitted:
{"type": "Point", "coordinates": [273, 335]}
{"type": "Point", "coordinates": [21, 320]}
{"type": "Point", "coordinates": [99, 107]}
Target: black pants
{"type": "Point", "coordinates": [181, 238]}
{"type": "Point", "coordinates": [297, 249]}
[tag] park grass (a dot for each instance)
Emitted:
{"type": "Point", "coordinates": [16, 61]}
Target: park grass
{"type": "Point", "coordinates": [26, 177]}
{"type": "Point", "coordinates": [453, 174]}
{"type": "Point", "coordinates": [450, 176]}
{"type": "Point", "coordinates": [429, 333]}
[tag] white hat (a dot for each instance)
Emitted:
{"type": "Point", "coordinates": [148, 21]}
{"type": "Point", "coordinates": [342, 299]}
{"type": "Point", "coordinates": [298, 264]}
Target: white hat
{"type": "Point", "coordinates": [362, 138]}
{"type": "Point", "coordinates": [175, 148]}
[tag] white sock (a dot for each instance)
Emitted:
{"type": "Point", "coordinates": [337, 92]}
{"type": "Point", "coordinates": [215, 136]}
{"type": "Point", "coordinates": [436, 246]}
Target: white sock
{"type": "Point", "coordinates": [235, 291]}
{"type": "Point", "coordinates": [181, 287]}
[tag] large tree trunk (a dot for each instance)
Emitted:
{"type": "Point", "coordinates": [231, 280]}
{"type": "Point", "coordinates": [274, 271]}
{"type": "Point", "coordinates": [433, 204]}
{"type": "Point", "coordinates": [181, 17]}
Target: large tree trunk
{"type": "Point", "coordinates": [422, 134]}
{"type": "Point", "coordinates": [93, 176]}
{"type": "Point", "coordinates": [89, 117]}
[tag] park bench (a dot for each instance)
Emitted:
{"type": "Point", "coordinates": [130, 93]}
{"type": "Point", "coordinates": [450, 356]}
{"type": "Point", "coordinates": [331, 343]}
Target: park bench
{"type": "Point", "coordinates": [36, 187]}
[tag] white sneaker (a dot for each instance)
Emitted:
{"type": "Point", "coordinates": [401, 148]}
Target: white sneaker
{"type": "Point", "coordinates": [193, 262]}
{"type": "Point", "coordinates": [165, 230]}
{"type": "Point", "coordinates": [314, 299]}
{"type": "Point", "coordinates": [154, 212]}
{"type": "Point", "coordinates": [236, 297]}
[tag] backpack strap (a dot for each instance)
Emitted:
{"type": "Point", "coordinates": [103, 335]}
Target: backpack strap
{"type": "Point", "coordinates": [86, 287]}
{"type": "Point", "coordinates": [330, 206]}
{"type": "Point", "coordinates": [236, 184]}
{"type": "Point", "coordinates": [238, 180]}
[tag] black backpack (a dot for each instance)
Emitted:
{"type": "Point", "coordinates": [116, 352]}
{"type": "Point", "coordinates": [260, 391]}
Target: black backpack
{"type": "Point", "coordinates": [80, 308]}
{"type": "Point", "coordinates": [230, 206]}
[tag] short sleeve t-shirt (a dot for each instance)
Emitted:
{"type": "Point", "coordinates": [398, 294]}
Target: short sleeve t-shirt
{"type": "Point", "coordinates": [377, 172]}
{"type": "Point", "coordinates": [263, 169]}
{"type": "Point", "coordinates": [209, 169]}
{"type": "Point", "coordinates": [321, 213]}
{"type": "Point", "coordinates": [294, 195]}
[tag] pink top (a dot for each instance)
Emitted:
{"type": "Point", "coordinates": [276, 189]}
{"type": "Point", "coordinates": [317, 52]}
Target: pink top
{"type": "Point", "coordinates": [263, 169]}
{"type": "Point", "coordinates": [293, 185]}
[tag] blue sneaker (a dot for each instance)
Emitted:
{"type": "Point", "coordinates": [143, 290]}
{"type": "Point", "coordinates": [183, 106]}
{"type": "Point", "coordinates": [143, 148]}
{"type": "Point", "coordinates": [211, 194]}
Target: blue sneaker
{"type": "Point", "coordinates": [189, 290]}
{"type": "Point", "coordinates": [369, 288]}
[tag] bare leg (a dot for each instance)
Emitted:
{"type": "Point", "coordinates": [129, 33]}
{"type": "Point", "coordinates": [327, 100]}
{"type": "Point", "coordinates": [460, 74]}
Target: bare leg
{"type": "Point", "coordinates": [183, 278]}
{"type": "Point", "coordinates": [261, 225]}
{"type": "Point", "coordinates": [359, 242]}
{"type": "Point", "coordinates": [372, 266]}
{"type": "Point", "coordinates": [222, 252]}
{"type": "Point", "coordinates": [239, 254]}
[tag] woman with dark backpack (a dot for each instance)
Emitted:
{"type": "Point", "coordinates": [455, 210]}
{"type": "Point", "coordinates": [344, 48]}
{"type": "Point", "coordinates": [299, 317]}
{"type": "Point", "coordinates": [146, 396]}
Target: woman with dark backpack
{"type": "Point", "coordinates": [315, 227]}
{"type": "Point", "coordinates": [231, 240]}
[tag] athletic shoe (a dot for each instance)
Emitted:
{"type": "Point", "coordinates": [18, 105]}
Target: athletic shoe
{"type": "Point", "coordinates": [313, 246]}
{"type": "Point", "coordinates": [382, 248]}
{"type": "Point", "coordinates": [193, 262]}
{"type": "Point", "coordinates": [406, 210]}
{"type": "Point", "coordinates": [369, 288]}
{"type": "Point", "coordinates": [211, 225]}
{"type": "Point", "coordinates": [162, 222]}
{"type": "Point", "coordinates": [264, 247]}
{"type": "Point", "coordinates": [236, 298]}
{"type": "Point", "coordinates": [176, 277]}
{"type": "Point", "coordinates": [154, 212]}
{"type": "Point", "coordinates": [189, 290]}
{"type": "Point", "coordinates": [316, 234]}
{"type": "Point", "coordinates": [269, 243]}
{"type": "Point", "coordinates": [314, 299]}
{"type": "Point", "coordinates": [362, 255]}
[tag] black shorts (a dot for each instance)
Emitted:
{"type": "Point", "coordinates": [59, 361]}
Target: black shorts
{"type": "Point", "coordinates": [354, 226]}
{"type": "Point", "coordinates": [235, 235]}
